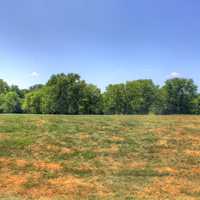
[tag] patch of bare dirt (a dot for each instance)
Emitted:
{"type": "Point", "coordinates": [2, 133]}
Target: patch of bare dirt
{"type": "Point", "coordinates": [83, 136]}
{"type": "Point", "coordinates": [40, 123]}
{"type": "Point", "coordinates": [170, 188]}
{"type": "Point", "coordinates": [47, 166]}
{"type": "Point", "coordinates": [170, 170]}
{"type": "Point", "coordinates": [68, 186]}
{"type": "Point", "coordinates": [5, 161]}
{"type": "Point", "coordinates": [117, 139]}
{"type": "Point", "coordinates": [12, 183]}
{"type": "Point", "coordinates": [136, 165]}
{"type": "Point", "coordinates": [112, 149]}
{"type": "Point", "coordinates": [4, 136]}
{"type": "Point", "coordinates": [22, 163]}
{"type": "Point", "coordinates": [66, 150]}
{"type": "Point", "coordinates": [192, 153]}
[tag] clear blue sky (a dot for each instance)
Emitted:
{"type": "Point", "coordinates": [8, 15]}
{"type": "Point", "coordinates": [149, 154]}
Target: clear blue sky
{"type": "Point", "coordinates": [105, 41]}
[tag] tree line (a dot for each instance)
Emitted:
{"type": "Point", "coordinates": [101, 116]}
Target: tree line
{"type": "Point", "coordinates": [69, 94]}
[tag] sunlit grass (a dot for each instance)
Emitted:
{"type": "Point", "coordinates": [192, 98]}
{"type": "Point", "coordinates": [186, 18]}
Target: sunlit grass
{"type": "Point", "coordinates": [99, 157]}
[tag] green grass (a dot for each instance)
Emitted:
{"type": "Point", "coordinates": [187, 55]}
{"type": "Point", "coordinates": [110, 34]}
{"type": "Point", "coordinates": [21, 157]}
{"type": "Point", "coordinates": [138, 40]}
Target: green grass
{"type": "Point", "coordinates": [99, 157]}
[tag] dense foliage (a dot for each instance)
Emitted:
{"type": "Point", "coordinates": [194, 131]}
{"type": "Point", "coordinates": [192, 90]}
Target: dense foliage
{"type": "Point", "coordinates": [69, 94]}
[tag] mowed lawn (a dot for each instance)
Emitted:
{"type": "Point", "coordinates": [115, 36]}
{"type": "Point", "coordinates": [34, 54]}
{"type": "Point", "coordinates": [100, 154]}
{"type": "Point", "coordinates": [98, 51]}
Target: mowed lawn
{"type": "Point", "coordinates": [99, 157]}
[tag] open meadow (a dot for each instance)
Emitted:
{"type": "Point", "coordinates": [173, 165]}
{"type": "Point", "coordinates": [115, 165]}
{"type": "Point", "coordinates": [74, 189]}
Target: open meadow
{"type": "Point", "coordinates": [99, 157]}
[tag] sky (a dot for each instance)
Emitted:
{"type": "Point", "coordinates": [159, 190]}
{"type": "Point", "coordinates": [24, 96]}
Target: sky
{"type": "Point", "coordinates": [105, 41]}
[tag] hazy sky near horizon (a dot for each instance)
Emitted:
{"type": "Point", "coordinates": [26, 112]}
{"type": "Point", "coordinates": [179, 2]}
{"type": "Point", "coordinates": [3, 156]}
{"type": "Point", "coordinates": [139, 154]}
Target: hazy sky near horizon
{"type": "Point", "coordinates": [105, 41]}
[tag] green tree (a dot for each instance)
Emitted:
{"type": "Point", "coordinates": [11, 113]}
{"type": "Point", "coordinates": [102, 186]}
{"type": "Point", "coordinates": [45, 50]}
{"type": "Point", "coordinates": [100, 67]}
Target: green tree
{"type": "Point", "coordinates": [141, 95]}
{"type": "Point", "coordinates": [179, 94]}
{"type": "Point", "coordinates": [15, 88]}
{"type": "Point", "coordinates": [196, 105]}
{"type": "Point", "coordinates": [159, 104]}
{"type": "Point", "coordinates": [67, 92]}
{"type": "Point", "coordinates": [32, 102]}
{"type": "Point", "coordinates": [10, 103]}
{"type": "Point", "coordinates": [35, 87]}
{"type": "Point", "coordinates": [114, 99]}
{"type": "Point", "coordinates": [3, 87]}
{"type": "Point", "coordinates": [91, 102]}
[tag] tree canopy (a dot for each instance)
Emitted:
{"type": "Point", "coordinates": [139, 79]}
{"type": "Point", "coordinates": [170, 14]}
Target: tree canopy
{"type": "Point", "coordinates": [69, 94]}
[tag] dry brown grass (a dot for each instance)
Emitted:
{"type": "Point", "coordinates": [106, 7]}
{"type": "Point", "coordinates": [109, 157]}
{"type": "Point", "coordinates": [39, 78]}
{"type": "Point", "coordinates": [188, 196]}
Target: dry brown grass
{"type": "Point", "coordinates": [100, 157]}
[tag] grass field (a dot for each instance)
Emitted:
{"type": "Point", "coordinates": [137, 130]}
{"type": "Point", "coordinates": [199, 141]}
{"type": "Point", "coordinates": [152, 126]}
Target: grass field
{"type": "Point", "coordinates": [99, 157]}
